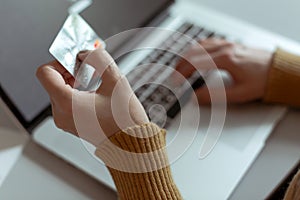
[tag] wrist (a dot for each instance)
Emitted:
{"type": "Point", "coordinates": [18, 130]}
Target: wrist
{"type": "Point", "coordinates": [137, 143]}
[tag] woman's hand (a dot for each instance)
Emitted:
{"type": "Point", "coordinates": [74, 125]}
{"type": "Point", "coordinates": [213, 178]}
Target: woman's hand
{"type": "Point", "coordinates": [248, 68]}
{"type": "Point", "coordinates": [114, 104]}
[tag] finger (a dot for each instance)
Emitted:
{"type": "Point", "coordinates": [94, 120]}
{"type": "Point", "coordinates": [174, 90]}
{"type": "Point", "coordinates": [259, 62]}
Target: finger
{"type": "Point", "coordinates": [207, 46]}
{"type": "Point", "coordinates": [102, 62]}
{"type": "Point", "coordinates": [69, 79]}
{"type": "Point", "coordinates": [186, 65]}
{"type": "Point", "coordinates": [213, 42]}
{"type": "Point", "coordinates": [58, 67]}
{"type": "Point", "coordinates": [82, 55]}
{"type": "Point", "coordinates": [227, 61]}
{"type": "Point", "coordinates": [234, 94]}
{"type": "Point", "coordinates": [202, 64]}
{"type": "Point", "coordinates": [51, 77]}
{"type": "Point", "coordinates": [200, 57]}
{"type": "Point", "coordinates": [105, 66]}
{"type": "Point", "coordinates": [185, 68]}
{"type": "Point", "coordinates": [222, 53]}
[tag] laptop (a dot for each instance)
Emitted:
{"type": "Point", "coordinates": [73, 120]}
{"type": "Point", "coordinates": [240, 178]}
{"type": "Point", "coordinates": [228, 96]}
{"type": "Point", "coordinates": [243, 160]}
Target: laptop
{"type": "Point", "coordinates": [13, 138]}
{"type": "Point", "coordinates": [24, 46]}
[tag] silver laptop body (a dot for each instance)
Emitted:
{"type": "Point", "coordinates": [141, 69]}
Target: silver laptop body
{"type": "Point", "coordinates": [246, 127]}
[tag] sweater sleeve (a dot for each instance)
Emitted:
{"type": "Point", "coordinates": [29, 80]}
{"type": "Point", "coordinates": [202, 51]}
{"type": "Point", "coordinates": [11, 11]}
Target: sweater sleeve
{"type": "Point", "coordinates": [293, 192]}
{"type": "Point", "coordinates": [138, 163]}
{"type": "Point", "coordinates": [283, 85]}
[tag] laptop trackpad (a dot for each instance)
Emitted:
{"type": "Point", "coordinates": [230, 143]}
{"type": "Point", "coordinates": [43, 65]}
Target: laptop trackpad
{"type": "Point", "coordinates": [245, 130]}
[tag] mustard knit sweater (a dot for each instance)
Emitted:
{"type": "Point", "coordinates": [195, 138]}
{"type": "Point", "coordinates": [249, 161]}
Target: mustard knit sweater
{"type": "Point", "coordinates": [149, 177]}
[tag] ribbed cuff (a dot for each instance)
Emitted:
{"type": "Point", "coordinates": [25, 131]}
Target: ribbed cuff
{"type": "Point", "coordinates": [283, 85]}
{"type": "Point", "coordinates": [137, 149]}
{"type": "Point", "coordinates": [138, 163]}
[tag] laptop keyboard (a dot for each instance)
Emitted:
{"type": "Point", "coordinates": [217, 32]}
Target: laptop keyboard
{"type": "Point", "coordinates": [151, 80]}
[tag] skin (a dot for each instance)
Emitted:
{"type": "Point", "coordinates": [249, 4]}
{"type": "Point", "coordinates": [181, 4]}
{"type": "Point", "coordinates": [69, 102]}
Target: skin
{"type": "Point", "coordinates": [248, 68]}
{"type": "Point", "coordinates": [114, 91]}
{"type": "Point", "coordinates": [115, 101]}
{"type": "Point", "coordinates": [116, 105]}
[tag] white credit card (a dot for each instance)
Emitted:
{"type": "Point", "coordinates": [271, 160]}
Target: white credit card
{"type": "Point", "coordinates": [75, 36]}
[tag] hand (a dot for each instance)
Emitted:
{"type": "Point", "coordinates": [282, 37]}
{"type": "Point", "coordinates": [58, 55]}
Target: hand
{"type": "Point", "coordinates": [115, 105]}
{"type": "Point", "coordinates": [248, 68]}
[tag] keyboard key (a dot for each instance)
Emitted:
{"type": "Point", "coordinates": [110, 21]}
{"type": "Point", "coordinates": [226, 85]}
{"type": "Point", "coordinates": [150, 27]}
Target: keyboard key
{"type": "Point", "coordinates": [210, 34]}
{"type": "Point", "coordinates": [156, 69]}
{"type": "Point", "coordinates": [185, 27]}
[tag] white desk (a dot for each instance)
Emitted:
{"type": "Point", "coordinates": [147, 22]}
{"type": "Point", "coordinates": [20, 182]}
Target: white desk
{"type": "Point", "coordinates": [40, 175]}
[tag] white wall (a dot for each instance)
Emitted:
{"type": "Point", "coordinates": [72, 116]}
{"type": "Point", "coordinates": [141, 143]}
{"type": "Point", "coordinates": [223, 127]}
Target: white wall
{"type": "Point", "coordinates": [281, 16]}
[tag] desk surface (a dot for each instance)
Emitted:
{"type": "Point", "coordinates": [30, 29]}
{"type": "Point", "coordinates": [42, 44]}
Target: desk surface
{"type": "Point", "coordinates": [40, 175]}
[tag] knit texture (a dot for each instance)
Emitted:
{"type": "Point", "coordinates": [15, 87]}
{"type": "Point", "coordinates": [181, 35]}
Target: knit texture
{"type": "Point", "coordinates": [283, 84]}
{"type": "Point", "coordinates": [293, 192]}
{"type": "Point", "coordinates": [147, 177]}
{"type": "Point", "coordinates": [283, 87]}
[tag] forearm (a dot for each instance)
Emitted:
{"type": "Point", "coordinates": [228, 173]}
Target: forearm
{"type": "Point", "coordinates": [283, 84]}
{"type": "Point", "coordinates": [139, 165]}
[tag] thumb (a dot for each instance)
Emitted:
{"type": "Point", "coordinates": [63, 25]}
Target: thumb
{"type": "Point", "coordinates": [51, 78]}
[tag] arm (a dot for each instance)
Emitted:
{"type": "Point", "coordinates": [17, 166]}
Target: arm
{"type": "Point", "coordinates": [124, 130]}
{"type": "Point", "coordinates": [146, 177]}
{"type": "Point", "coordinates": [283, 85]}
{"type": "Point", "coordinates": [256, 74]}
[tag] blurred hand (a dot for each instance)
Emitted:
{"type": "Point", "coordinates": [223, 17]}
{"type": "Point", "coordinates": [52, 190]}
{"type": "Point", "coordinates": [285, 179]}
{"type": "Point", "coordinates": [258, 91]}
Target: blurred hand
{"type": "Point", "coordinates": [248, 68]}
{"type": "Point", "coordinates": [114, 102]}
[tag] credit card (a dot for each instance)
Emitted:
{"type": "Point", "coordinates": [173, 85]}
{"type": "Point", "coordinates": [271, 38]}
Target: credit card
{"type": "Point", "coordinates": [75, 36]}
{"type": "Point", "coordinates": [79, 5]}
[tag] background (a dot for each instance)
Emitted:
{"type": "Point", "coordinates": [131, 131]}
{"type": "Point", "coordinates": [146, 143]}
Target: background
{"type": "Point", "coordinates": [281, 16]}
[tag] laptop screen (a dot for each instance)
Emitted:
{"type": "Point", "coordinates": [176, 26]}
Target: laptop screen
{"type": "Point", "coordinates": [29, 27]}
